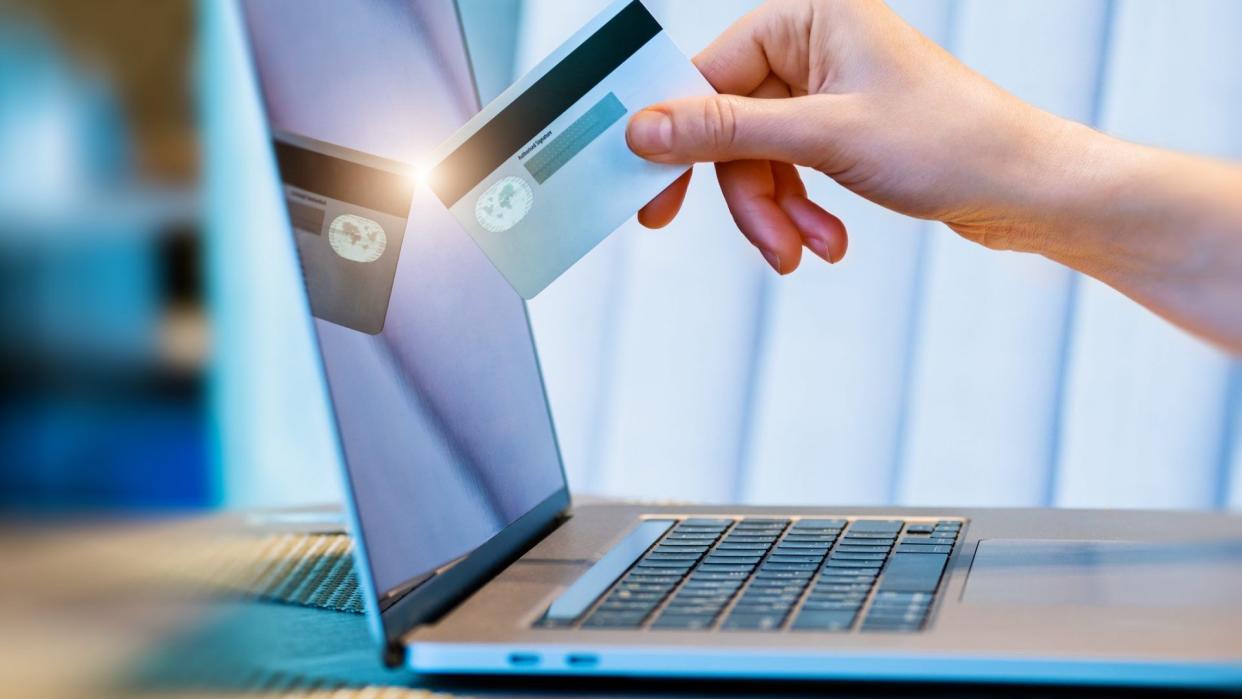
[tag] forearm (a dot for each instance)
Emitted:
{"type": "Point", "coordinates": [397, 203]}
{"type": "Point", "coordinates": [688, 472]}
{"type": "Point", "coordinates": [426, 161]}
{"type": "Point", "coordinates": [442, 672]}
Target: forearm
{"type": "Point", "coordinates": [1163, 228]}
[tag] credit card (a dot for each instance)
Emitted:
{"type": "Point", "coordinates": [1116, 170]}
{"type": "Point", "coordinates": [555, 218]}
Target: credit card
{"type": "Point", "coordinates": [348, 211]}
{"type": "Point", "coordinates": [543, 174]}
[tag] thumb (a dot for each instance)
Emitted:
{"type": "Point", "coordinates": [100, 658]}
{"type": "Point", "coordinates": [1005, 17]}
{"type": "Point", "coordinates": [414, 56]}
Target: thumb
{"type": "Point", "coordinates": [721, 128]}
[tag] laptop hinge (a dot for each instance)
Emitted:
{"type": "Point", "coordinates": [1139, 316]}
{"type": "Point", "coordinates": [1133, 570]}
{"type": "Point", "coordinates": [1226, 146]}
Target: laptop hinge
{"type": "Point", "coordinates": [446, 587]}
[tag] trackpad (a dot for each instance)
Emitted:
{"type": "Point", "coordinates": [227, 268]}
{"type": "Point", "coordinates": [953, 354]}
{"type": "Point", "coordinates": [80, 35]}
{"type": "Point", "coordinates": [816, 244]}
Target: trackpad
{"type": "Point", "coordinates": [1036, 572]}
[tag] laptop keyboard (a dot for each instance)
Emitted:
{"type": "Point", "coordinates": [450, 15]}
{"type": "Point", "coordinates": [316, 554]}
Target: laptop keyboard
{"type": "Point", "coordinates": [762, 574]}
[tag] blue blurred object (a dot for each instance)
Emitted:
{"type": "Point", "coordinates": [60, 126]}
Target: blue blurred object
{"type": "Point", "coordinates": [96, 452]}
{"type": "Point", "coordinates": [97, 412]}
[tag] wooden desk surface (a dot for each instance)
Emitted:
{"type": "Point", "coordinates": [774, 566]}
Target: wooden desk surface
{"type": "Point", "coordinates": [146, 609]}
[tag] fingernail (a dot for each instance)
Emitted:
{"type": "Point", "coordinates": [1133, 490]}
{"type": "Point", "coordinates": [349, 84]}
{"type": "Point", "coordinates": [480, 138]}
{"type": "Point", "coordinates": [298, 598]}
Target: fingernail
{"type": "Point", "coordinates": [820, 248]}
{"type": "Point", "coordinates": [773, 259]}
{"type": "Point", "coordinates": [650, 132]}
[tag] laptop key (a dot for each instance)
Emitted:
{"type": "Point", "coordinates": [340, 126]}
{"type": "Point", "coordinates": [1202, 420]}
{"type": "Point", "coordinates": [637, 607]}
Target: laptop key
{"type": "Point", "coordinates": [877, 525]}
{"type": "Point", "coordinates": [837, 595]}
{"type": "Point", "coordinates": [668, 556]}
{"type": "Point", "coordinates": [895, 619]}
{"type": "Point", "coordinates": [717, 559]}
{"type": "Point", "coordinates": [770, 594]}
{"type": "Point", "coordinates": [644, 587]}
{"type": "Point", "coordinates": [688, 623]}
{"type": "Point", "coordinates": [853, 556]}
{"type": "Point", "coordinates": [818, 606]}
{"type": "Point", "coordinates": [910, 614]}
{"type": "Point", "coordinates": [774, 602]}
{"type": "Point", "coordinates": [730, 575]}
{"type": "Point", "coordinates": [681, 547]}
{"type": "Point", "coordinates": [662, 581]}
{"type": "Point", "coordinates": [712, 582]}
{"type": "Point", "coordinates": [842, 586]}
{"type": "Point", "coordinates": [913, 572]}
{"type": "Point", "coordinates": [787, 558]}
{"type": "Point", "coordinates": [763, 607]}
{"type": "Point", "coordinates": [621, 619]}
{"type": "Point", "coordinates": [848, 564]}
{"type": "Point", "coordinates": [627, 596]}
{"type": "Point", "coordinates": [783, 574]}
{"type": "Point", "coordinates": [881, 597]}
{"type": "Point", "coordinates": [707, 591]}
{"type": "Point", "coordinates": [929, 541]}
{"type": "Point", "coordinates": [727, 564]}
{"type": "Point", "coordinates": [847, 576]}
{"type": "Point", "coordinates": [855, 548]}
{"type": "Point", "coordinates": [864, 541]}
{"type": "Point", "coordinates": [811, 522]}
{"type": "Point", "coordinates": [736, 546]}
{"type": "Point", "coordinates": [754, 622]}
{"type": "Point", "coordinates": [703, 596]}
{"type": "Point", "coordinates": [724, 568]}
{"type": "Point", "coordinates": [706, 522]}
{"type": "Point", "coordinates": [697, 605]}
{"type": "Point", "coordinates": [798, 546]}
{"type": "Point", "coordinates": [715, 531]}
{"type": "Point", "coordinates": [841, 589]}
{"type": "Point", "coordinates": [777, 565]}
{"type": "Point", "coordinates": [623, 607]}
{"type": "Point", "coordinates": [845, 581]}
{"type": "Point", "coordinates": [825, 620]}
{"type": "Point", "coordinates": [648, 563]}
{"type": "Point", "coordinates": [795, 589]}
{"type": "Point", "coordinates": [736, 553]}
{"type": "Point", "coordinates": [909, 548]}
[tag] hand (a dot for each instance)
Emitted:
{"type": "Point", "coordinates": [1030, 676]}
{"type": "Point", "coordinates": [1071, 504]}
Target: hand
{"type": "Point", "coordinates": [848, 88]}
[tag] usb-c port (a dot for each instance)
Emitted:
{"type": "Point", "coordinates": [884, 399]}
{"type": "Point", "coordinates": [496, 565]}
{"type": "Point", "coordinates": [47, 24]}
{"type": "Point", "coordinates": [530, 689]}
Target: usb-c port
{"type": "Point", "coordinates": [523, 659]}
{"type": "Point", "coordinates": [582, 660]}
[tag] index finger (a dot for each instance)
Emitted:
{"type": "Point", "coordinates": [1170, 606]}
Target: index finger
{"type": "Point", "coordinates": [737, 62]}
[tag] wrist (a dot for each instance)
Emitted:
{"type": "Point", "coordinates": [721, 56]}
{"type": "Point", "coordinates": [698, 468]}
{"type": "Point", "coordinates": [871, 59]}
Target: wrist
{"type": "Point", "coordinates": [1039, 181]}
{"type": "Point", "coordinates": [1095, 199]}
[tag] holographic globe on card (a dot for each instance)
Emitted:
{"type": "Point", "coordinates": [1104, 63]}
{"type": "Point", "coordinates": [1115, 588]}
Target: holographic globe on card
{"type": "Point", "coordinates": [504, 204]}
{"type": "Point", "coordinates": [356, 238]}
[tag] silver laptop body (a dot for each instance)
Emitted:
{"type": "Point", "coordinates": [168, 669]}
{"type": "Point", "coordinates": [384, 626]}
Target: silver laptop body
{"type": "Point", "coordinates": [471, 557]}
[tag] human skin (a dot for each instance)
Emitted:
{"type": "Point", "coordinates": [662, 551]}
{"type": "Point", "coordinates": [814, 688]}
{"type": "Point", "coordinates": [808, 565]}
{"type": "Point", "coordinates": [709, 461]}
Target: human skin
{"type": "Point", "coordinates": [847, 88]}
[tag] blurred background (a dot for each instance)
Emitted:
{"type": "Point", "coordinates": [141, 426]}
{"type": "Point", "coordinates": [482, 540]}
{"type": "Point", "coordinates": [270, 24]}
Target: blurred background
{"type": "Point", "coordinates": [151, 361]}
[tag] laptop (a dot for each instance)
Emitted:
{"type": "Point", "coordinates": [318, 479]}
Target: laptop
{"type": "Point", "coordinates": [471, 555]}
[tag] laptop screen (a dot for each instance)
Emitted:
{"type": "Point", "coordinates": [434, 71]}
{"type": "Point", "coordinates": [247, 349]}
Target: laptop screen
{"type": "Point", "coordinates": [433, 377]}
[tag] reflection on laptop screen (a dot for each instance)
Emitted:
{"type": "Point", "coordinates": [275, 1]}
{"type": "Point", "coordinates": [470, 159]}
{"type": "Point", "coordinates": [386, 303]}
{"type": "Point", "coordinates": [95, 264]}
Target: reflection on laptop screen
{"type": "Point", "coordinates": [427, 350]}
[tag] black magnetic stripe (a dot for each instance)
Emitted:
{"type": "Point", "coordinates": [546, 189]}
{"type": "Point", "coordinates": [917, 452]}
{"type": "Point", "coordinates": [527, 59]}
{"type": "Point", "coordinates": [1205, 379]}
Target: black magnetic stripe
{"type": "Point", "coordinates": [529, 114]}
{"type": "Point", "coordinates": [344, 180]}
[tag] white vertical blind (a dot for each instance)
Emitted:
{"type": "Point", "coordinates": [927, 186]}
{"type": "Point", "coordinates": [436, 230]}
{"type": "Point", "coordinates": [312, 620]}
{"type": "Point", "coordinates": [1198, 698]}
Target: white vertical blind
{"type": "Point", "coordinates": [1145, 406]}
{"type": "Point", "coordinates": [687, 305]}
{"type": "Point", "coordinates": [982, 406]}
{"type": "Point", "coordinates": [832, 365]}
